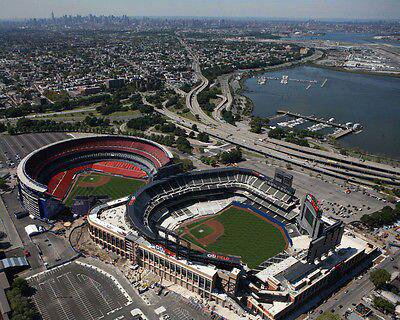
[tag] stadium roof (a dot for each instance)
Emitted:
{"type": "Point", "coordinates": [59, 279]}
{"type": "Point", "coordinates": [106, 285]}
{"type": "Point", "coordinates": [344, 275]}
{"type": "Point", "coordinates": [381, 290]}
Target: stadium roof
{"type": "Point", "coordinates": [298, 271]}
{"type": "Point", "coordinates": [26, 180]}
{"type": "Point", "coordinates": [138, 202]}
{"type": "Point", "coordinates": [276, 268]}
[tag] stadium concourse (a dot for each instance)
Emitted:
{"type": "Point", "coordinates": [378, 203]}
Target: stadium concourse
{"type": "Point", "coordinates": [46, 175]}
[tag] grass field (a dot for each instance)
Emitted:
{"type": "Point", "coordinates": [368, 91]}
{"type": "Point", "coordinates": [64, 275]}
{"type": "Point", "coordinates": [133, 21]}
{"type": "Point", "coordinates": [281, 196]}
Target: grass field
{"type": "Point", "coordinates": [201, 231]}
{"type": "Point", "coordinates": [245, 234]}
{"type": "Point", "coordinates": [116, 187]}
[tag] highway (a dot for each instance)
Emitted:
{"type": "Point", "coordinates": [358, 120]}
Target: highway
{"type": "Point", "coordinates": [226, 96]}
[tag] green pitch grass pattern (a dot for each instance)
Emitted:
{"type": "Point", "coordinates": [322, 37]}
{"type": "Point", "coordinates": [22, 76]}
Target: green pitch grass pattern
{"type": "Point", "coordinates": [117, 187]}
{"type": "Point", "coordinates": [246, 235]}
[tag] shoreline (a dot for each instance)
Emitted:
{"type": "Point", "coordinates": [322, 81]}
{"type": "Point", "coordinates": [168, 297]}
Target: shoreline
{"type": "Point", "coordinates": [370, 73]}
{"type": "Point", "coordinates": [337, 145]}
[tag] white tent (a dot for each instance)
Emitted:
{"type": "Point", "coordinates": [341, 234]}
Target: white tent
{"type": "Point", "coordinates": [32, 230]}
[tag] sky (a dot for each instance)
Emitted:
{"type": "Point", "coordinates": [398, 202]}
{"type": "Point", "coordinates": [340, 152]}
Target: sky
{"type": "Point", "coordinates": [293, 9]}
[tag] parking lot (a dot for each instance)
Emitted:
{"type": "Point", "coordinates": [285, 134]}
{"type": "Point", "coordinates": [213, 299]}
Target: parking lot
{"type": "Point", "coordinates": [15, 148]}
{"type": "Point", "coordinates": [75, 291]}
{"type": "Point", "coordinates": [47, 248]}
{"type": "Point", "coordinates": [176, 307]}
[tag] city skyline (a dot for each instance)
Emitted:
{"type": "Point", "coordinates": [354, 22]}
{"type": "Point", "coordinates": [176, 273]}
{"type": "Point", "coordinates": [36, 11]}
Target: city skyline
{"type": "Point", "coordinates": [295, 9]}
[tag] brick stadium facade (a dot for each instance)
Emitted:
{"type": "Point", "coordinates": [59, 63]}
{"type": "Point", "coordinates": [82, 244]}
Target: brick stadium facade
{"type": "Point", "coordinates": [198, 278]}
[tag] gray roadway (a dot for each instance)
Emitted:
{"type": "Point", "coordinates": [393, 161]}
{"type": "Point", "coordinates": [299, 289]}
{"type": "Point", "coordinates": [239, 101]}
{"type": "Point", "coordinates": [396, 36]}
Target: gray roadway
{"type": "Point", "coordinates": [46, 248]}
{"type": "Point", "coordinates": [238, 137]}
{"type": "Point", "coordinates": [353, 293]}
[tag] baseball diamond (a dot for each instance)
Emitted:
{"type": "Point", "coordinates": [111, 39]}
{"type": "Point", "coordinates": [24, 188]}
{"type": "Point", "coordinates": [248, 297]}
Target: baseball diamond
{"type": "Point", "coordinates": [237, 231]}
{"type": "Point", "coordinates": [97, 184]}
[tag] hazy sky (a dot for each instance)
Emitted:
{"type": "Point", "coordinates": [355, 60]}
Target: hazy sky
{"type": "Point", "coordinates": [348, 9]}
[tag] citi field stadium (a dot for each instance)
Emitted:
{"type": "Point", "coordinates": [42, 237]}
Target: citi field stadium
{"type": "Point", "coordinates": [223, 233]}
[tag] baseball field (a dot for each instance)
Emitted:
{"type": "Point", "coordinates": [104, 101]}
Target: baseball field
{"type": "Point", "coordinates": [237, 231]}
{"type": "Point", "coordinates": [97, 184]}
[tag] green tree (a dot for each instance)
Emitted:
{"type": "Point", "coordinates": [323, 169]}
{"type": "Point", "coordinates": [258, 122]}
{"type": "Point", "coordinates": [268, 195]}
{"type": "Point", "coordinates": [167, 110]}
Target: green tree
{"type": "Point", "coordinates": [203, 137]}
{"type": "Point", "coordinates": [277, 133]}
{"type": "Point", "coordinates": [21, 306]}
{"type": "Point", "coordinates": [257, 123]}
{"type": "Point", "coordinates": [379, 277]}
{"type": "Point", "coordinates": [3, 184]}
{"type": "Point", "coordinates": [386, 216]}
{"type": "Point", "coordinates": [184, 145]}
{"type": "Point", "coordinates": [232, 156]}
{"type": "Point", "coordinates": [228, 116]}
{"type": "Point", "coordinates": [187, 165]}
{"type": "Point", "coordinates": [328, 316]}
{"type": "Point", "coordinates": [186, 87]}
{"type": "Point", "coordinates": [21, 285]}
{"type": "Point", "coordinates": [383, 305]}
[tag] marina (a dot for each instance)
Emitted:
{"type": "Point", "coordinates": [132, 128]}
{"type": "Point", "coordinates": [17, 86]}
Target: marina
{"type": "Point", "coordinates": [319, 124]}
{"type": "Point", "coordinates": [358, 98]}
{"type": "Point", "coordinates": [329, 122]}
{"type": "Point", "coordinates": [285, 80]}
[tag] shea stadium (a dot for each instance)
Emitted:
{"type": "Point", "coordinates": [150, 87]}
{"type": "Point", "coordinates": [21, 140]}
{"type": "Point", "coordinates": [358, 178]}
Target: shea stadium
{"type": "Point", "coordinates": [50, 177]}
{"type": "Point", "coordinates": [231, 235]}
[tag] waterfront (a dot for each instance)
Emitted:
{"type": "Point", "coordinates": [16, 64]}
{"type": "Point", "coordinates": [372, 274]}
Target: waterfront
{"type": "Point", "coordinates": [372, 101]}
{"type": "Point", "coordinates": [350, 37]}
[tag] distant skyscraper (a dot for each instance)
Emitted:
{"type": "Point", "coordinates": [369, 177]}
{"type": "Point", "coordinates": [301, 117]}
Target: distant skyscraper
{"type": "Point", "coordinates": [52, 15]}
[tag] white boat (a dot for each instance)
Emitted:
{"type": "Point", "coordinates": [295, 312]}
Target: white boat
{"type": "Point", "coordinates": [262, 80]}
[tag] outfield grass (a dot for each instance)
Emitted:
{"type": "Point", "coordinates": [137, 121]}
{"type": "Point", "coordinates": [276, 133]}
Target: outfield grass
{"type": "Point", "coordinates": [117, 187]}
{"type": "Point", "coordinates": [245, 235]}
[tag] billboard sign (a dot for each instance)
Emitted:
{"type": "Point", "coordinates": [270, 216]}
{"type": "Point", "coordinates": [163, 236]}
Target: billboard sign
{"type": "Point", "coordinates": [163, 249]}
{"type": "Point", "coordinates": [314, 203]}
{"type": "Point", "coordinates": [331, 237]}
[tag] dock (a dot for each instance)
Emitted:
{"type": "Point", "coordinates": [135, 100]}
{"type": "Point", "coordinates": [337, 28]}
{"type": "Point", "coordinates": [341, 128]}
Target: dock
{"type": "Point", "coordinates": [292, 79]}
{"type": "Point", "coordinates": [323, 83]}
{"type": "Point", "coordinates": [312, 118]}
{"type": "Point", "coordinates": [341, 133]}
{"type": "Point", "coordinates": [342, 130]}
